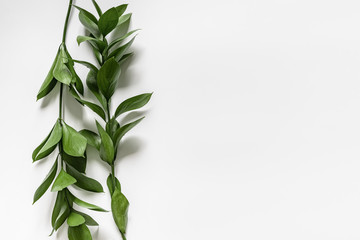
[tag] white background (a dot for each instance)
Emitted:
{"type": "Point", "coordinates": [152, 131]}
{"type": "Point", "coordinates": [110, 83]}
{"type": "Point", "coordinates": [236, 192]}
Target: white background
{"type": "Point", "coordinates": [253, 131]}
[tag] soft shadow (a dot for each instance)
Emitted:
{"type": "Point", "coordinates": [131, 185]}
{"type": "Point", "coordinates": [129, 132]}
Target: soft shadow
{"type": "Point", "coordinates": [126, 77]}
{"type": "Point", "coordinates": [129, 146]}
{"type": "Point", "coordinates": [130, 117]}
{"type": "Point", "coordinates": [72, 107]}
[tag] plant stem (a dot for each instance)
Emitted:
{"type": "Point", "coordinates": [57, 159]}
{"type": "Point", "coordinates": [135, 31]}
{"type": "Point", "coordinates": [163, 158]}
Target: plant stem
{"type": "Point", "coordinates": [67, 21]}
{"type": "Point", "coordinates": [113, 175]}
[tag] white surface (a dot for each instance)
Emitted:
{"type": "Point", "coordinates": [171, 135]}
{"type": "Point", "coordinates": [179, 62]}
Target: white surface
{"type": "Point", "coordinates": [252, 132]}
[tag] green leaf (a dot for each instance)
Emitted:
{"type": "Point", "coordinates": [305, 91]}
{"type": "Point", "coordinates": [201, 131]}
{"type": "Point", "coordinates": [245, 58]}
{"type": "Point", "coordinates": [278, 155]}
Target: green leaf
{"type": "Point", "coordinates": [84, 182]}
{"type": "Point", "coordinates": [49, 82]}
{"type": "Point", "coordinates": [75, 219]}
{"type": "Point", "coordinates": [50, 143]}
{"type": "Point", "coordinates": [110, 184]}
{"type": "Point", "coordinates": [107, 152]}
{"type": "Point", "coordinates": [84, 204]}
{"type": "Point", "coordinates": [79, 163]}
{"type": "Point", "coordinates": [88, 220]}
{"type": "Point", "coordinates": [133, 103]}
{"type": "Point", "coordinates": [98, 9]}
{"type": "Point", "coordinates": [46, 183]}
{"type": "Point", "coordinates": [121, 9]}
{"type": "Point", "coordinates": [119, 52]}
{"type": "Point", "coordinates": [59, 204]}
{"type": "Point", "coordinates": [124, 129]}
{"type": "Point", "coordinates": [73, 142]}
{"type": "Point", "coordinates": [119, 208]}
{"type": "Point", "coordinates": [98, 44]}
{"type": "Point", "coordinates": [107, 77]}
{"type": "Point", "coordinates": [108, 21]}
{"type": "Point", "coordinates": [61, 71]}
{"type": "Point", "coordinates": [87, 64]}
{"type": "Point", "coordinates": [81, 232]}
{"type": "Point", "coordinates": [124, 57]}
{"type": "Point", "coordinates": [91, 82]}
{"type": "Point", "coordinates": [124, 18]}
{"type": "Point", "coordinates": [89, 21]}
{"type": "Point", "coordinates": [96, 108]}
{"type": "Point", "coordinates": [111, 127]}
{"type": "Point", "coordinates": [92, 138]}
{"type": "Point", "coordinates": [62, 181]}
{"type": "Point", "coordinates": [113, 43]}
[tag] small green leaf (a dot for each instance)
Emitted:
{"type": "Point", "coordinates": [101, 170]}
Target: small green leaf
{"type": "Point", "coordinates": [119, 208]}
{"type": "Point", "coordinates": [98, 44]}
{"type": "Point", "coordinates": [47, 182]}
{"type": "Point", "coordinates": [98, 9]}
{"type": "Point", "coordinates": [124, 18]}
{"type": "Point", "coordinates": [62, 181]}
{"type": "Point", "coordinates": [89, 21]}
{"type": "Point", "coordinates": [60, 206]}
{"type": "Point", "coordinates": [113, 43]}
{"type": "Point", "coordinates": [119, 52]}
{"type": "Point", "coordinates": [106, 148]}
{"type": "Point", "coordinates": [75, 219]}
{"type": "Point", "coordinates": [87, 64]}
{"type": "Point", "coordinates": [92, 138]}
{"type": "Point", "coordinates": [51, 142]}
{"type": "Point", "coordinates": [96, 108]}
{"type": "Point", "coordinates": [84, 182]}
{"type": "Point", "coordinates": [124, 57]}
{"type": "Point", "coordinates": [91, 82]}
{"type": "Point", "coordinates": [49, 82]}
{"type": "Point", "coordinates": [84, 204]}
{"type": "Point", "coordinates": [79, 163]}
{"type": "Point", "coordinates": [121, 9]}
{"type": "Point", "coordinates": [124, 129]}
{"type": "Point", "coordinates": [108, 21]}
{"type": "Point", "coordinates": [111, 127]}
{"type": "Point", "coordinates": [81, 232]}
{"type": "Point", "coordinates": [109, 182]}
{"type": "Point", "coordinates": [61, 71]}
{"type": "Point", "coordinates": [73, 142]}
{"type": "Point", "coordinates": [107, 77]}
{"type": "Point", "coordinates": [132, 103]}
{"type": "Point", "coordinates": [88, 220]}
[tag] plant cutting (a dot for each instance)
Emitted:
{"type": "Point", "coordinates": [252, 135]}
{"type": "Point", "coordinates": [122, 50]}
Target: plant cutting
{"type": "Point", "coordinates": [102, 81]}
{"type": "Point", "coordinates": [70, 161]}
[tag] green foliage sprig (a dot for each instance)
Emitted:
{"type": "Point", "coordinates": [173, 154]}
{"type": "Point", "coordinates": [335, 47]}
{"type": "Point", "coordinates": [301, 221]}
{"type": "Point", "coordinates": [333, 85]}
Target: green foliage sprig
{"type": "Point", "coordinates": [102, 82]}
{"type": "Point", "coordinates": [70, 162]}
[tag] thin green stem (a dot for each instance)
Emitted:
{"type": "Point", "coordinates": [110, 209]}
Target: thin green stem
{"type": "Point", "coordinates": [67, 21]}
{"type": "Point", "coordinates": [108, 110]}
{"type": "Point", "coordinates": [113, 175]}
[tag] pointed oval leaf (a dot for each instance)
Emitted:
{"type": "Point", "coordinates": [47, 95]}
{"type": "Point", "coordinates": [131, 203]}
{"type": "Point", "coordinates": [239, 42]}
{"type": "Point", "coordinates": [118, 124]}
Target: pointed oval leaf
{"type": "Point", "coordinates": [110, 184]}
{"type": "Point", "coordinates": [91, 82]}
{"type": "Point", "coordinates": [87, 64]}
{"type": "Point", "coordinates": [119, 208]}
{"type": "Point", "coordinates": [92, 138]}
{"type": "Point", "coordinates": [88, 220]}
{"type": "Point", "coordinates": [62, 181]}
{"type": "Point", "coordinates": [132, 103]}
{"type": "Point", "coordinates": [124, 129]}
{"type": "Point", "coordinates": [81, 232]}
{"type": "Point", "coordinates": [113, 43]}
{"type": "Point", "coordinates": [75, 219]}
{"type": "Point", "coordinates": [96, 108]}
{"type": "Point", "coordinates": [119, 52]}
{"type": "Point", "coordinates": [49, 82]}
{"type": "Point", "coordinates": [98, 9]}
{"type": "Point", "coordinates": [73, 142]}
{"type": "Point", "coordinates": [108, 21]}
{"type": "Point", "coordinates": [61, 71]}
{"type": "Point", "coordinates": [84, 204]}
{"type": "Point", "coordinates": [98, 44]}
{"type": "Point", "coordinates": [51, 142]}
{"type": "Point", "coordinates": [121, 9]}
{"type": "Point", "coordinates": [124, 18]}
{"type": "Point", "coordinates": [79, 163]}
{"type": "Point", "coordinates": [84, 182]}
{"type": "Point", "coordinates": [107, 147]}
{"type": "Point", "coordinates": [60, 204]}
{"type": "Point", "coordinates": [89, 21]}
{"type": "Point", "coordinates": [46, 183]}
{"type": "Point", "coordinates": [107, 77]}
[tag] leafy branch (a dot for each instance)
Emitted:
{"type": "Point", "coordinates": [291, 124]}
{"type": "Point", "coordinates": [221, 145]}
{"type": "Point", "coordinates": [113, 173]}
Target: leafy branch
{"type": "Point", "coordinates": [70, 164]}
{"type": "Point", "coordinates": [102, 82]}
